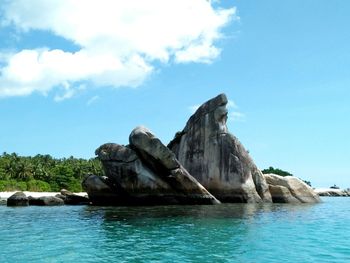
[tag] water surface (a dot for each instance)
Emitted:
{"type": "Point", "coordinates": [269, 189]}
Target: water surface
{"type": "Point", "coordinates": [222, 233]}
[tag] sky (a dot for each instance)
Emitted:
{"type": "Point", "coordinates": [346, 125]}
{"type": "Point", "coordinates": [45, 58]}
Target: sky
{"type": "Point", "coordinates": [77, 74]}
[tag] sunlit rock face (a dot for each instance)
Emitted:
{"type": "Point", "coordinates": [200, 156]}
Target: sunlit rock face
{"type": "Point", "coordinates": [216, 158]}
{"type": "Point", "coordinates": [290, 189]}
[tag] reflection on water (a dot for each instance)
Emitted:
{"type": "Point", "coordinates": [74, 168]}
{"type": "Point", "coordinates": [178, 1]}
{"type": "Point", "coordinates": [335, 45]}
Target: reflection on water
{"type": "Point", "coordinates": [228, 211]}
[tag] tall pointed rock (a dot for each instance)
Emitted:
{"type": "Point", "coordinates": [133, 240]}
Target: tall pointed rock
{"type": "Point", "coordinates": [216, 158]}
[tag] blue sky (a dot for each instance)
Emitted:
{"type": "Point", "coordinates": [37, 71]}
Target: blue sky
{"type": "Point", "coordinates": [283, 64]}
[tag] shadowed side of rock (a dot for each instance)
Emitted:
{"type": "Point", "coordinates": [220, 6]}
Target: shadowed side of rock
{"type": "Point", "coordinates": [98, 190]}
{"type": "Point", "coordinates": [163, 162]}
{"type": "Point", "coordinates": [216, 158]}
{"type": "Point", "coordinates": [132, 178]}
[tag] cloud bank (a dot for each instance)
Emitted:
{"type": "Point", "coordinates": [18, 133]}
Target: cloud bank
{"type": "Point", "coordinates": [120, 42]}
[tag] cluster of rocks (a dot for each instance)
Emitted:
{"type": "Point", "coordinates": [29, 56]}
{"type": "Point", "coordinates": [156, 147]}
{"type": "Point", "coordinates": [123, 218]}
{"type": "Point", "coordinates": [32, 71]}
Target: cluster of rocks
{"type": "Point", "coordinates": [65, 197]}
{"type": "Point", "coordinates": [203, 164]}
{"type": "Point", "coordinates": [333, 192]}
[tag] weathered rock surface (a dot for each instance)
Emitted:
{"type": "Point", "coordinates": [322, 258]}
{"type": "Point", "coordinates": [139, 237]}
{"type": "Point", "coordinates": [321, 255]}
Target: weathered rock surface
{"type": "Point", "coordinates": [18, 199]}
{"type": "Point", "coordinates": [290, 189]}
{"type": "Point", "coordinates": [45, 201]}
{"type": "Point", "coordinates": [74, 199]}
{"type": "Point", "coordinates": [216, 158]}
{"type": "Point", "coordinates": [147, 173]}
{"type": "Point", "coordinates": [164, 163]}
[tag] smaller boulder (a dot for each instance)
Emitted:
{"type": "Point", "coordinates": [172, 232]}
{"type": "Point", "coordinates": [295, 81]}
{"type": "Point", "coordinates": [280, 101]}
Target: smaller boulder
{"type": "Point", "coordinates": [65, 192]}
{"type": "Point", "coordinates": [61, 196]}
{"type": "Point", "coordinates": [45, 201]}
{"type": "Point", "coordinates": [74, 199]}
{"type": "Point", "coordinates": [285, 187]}
{"type": "Point", "coordinates": [18, 199]}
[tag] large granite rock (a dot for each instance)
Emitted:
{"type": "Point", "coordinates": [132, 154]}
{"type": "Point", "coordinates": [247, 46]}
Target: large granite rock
{"type": "Point", "coordinates": [147, 173]}
{"type": "Point", "coordinates": [18, 199]}
{"type": "Point", "coordinates": [290, 189]}
{"type": "Point", "coordinates": [216, 158]}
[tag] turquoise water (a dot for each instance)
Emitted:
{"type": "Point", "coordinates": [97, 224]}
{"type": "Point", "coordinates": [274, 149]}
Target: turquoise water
{"type": "Point", "coordinates": [223, 233]}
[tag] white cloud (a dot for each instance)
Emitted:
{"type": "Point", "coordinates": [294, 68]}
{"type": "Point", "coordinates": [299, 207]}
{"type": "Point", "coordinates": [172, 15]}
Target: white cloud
{"type": "Point", "coordinates": [118, 40]}
{"type": "Point", "coordinates": [68, 91]}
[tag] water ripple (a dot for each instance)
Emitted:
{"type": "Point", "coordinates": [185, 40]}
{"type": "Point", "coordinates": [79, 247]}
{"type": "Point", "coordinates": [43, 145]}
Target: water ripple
{"type": "Point", "coordinates": [223, 233]}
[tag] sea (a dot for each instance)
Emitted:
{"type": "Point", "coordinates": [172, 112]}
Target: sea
{"type": "Point", "coordinates": [220, 233]}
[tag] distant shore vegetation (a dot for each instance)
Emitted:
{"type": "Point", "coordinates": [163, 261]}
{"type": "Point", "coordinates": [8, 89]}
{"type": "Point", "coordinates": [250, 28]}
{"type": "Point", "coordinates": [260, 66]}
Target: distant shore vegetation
{"type": "Point", "coordinates": [43, 173]}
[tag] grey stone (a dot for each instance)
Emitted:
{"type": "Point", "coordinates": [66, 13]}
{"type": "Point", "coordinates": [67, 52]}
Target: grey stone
{"type": "Point", "coordinates": [18, 199]}
{"type": "Point", "coordinates": [74, 199]}
{"type": "Point", "coordinates": [281, 194]}
{"type": "Point", "coordinates": [216, 158]}
{"type": "Point", "coordinates": [98, 190]}
{"type": "Point", "coordinates": [296, 187]}
{"type": "Point", "coordinates": [138, 178]}
{"type": "Point", "coordinates": [164, 163]}
{"type": "Point", "coordinates": [61, 196]}
{"type": "Point", "coordinates": [45, 201]}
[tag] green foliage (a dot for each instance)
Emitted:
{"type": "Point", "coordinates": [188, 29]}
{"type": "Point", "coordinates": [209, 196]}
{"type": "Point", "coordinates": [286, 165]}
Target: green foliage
{"type": "Point", "coordinates": [45, 173]}
{"type": "Point", "coordinates": [277, 171]}
{"type": "Point", "coordinates": [12, 185]}
{"type": "Point", "coordinates": [38, 186]}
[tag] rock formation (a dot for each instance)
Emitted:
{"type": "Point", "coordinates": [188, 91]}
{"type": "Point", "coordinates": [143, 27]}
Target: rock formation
{"type": "Point", "coordinates": [216, 158]}
{"type": "Point", "coordinates": [147, 172]}
{"type": "Point", "coordinates": [290, 189]}
{"type": "Point", "coordinates": [203, 164]}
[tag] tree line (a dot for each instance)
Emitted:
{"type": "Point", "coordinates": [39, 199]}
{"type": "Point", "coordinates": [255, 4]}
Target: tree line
{"type": "Point", "coordinates": [45, 173]}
